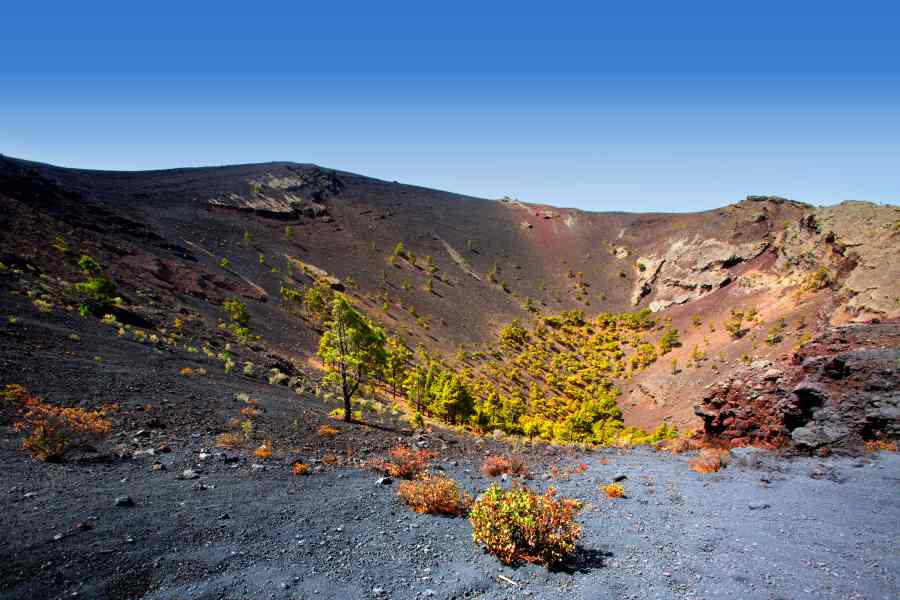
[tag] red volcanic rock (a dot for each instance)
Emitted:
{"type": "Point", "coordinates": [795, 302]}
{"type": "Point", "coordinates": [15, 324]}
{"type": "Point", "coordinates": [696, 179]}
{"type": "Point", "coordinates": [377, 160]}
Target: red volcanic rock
{"type": "Point", "coordinates": [838, 392]}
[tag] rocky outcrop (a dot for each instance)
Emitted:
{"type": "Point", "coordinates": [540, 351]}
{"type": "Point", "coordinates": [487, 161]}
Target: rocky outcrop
{"type": "Point", "coordinates": [856, 243]}
{"type": "Point", "coordinates": [688, 269]}
{"type": "Point", "coordinates": [839, 392]}
{"type": "Point", "coordinates": [303, 192]}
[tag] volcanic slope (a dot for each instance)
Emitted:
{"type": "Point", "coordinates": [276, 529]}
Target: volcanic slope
{"type": "Point", "coordinates": [179, 242]}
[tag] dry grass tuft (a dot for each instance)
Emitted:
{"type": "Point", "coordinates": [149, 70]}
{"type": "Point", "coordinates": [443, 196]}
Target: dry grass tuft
{"type": "Point", "coordinates": [300, 468]}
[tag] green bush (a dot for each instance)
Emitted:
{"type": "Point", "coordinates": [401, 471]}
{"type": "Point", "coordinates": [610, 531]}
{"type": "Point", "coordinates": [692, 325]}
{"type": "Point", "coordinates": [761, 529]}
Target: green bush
{"type": "Point", "coordinates": [97, 293]}
{"type": "Point", "coordinates": [519, 524]}
{"type": "Point", "coordinates": [237, 311]}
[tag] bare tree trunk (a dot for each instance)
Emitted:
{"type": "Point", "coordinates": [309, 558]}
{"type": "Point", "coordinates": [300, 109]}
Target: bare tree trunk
{"type": "Point", "coordinates": [347, 416]}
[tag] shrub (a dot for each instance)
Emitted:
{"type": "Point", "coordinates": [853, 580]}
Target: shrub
{"type": "Point", "coordinates": [511, 465]}
{"type": "Point", "coordinates": [676, 445]}
{"type": "Point", "coordinates": [613, 490]}
{"type": "Point", "coordinates": [55, 430]}
{"type": "Point", "coordinates": [519, 524]}
{"type": "Point", "coordinates": [338, 414]}
{"type": "Point", "coordinates": [97, 292]}
{"type": "Point", "coordinates": [405, 462]}
{"type": "Point", "coordinates": [237, 311]}
{"type": "Point", "coordinates": [669, 340]}
{"type": "Point", "coordinates": [249, 411]}
{"type": "Point", "coordinates": [880, 445]}
{"type": "Point", "coordinates": [229, 440]}
{"type": "Point", "coordinates": [435, 495]}
{"type": "Point", "coordinates": [264, 451]}
{"type": "Point", "coordinates": [710, 460]}
{"type": "Point", "coordinates": [817, 280]}
{"type": "Point", "coordinates": [300, 468]}
{"type": "Point", "coordinates": [327, 431]}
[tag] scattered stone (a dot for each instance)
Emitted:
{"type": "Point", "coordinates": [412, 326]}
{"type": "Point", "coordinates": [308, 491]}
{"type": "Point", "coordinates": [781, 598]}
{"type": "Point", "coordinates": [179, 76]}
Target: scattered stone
{"type": "Point", "coordinates": [165, 448]}
{"type": "Point", "coordinates": [757, 505]}
{"type": "Point", "coordinates": [384, 481]}
{"type": "Point", "coordinates": [202, 456]}
{"type": "Point", "coordinates": [224, 517]}
{"type": "Point", "coordinates": [256, 468]}
{"type": "Point", "coordinates": [620, 477]}
{"type": "Point", "coordinates": [158, 466]}
{"type": "Point", "coordinates": [124, 501]}
{"type": "Point", "coordinates": [822, 471]}
{"type": "Point", "coordinates": [377, 591]}
{"type": "Point", "coordinates": [141, 453]}
{"type": "Point", "coordinates": [29, 495]}
{"type": "Point", "coordinates": [189, 474]}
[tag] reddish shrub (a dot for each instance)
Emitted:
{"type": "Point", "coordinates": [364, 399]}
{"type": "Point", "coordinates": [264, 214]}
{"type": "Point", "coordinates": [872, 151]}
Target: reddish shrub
{"type": "Point", "coordinates": [404, 462]}
{"type": "Point", "coordinates": [710, 460]}
{"type": "Point", "coordinates": [435, 495]}
{"type": "Point", "coordinates": [511, 465]}
{"type": "Point", "coordinates": [55, 430]}
{"type": "Point", "coordinates": [881, 445]}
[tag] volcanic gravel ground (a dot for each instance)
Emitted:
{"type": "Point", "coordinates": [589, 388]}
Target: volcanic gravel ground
{"type": "Point", "coordinates": [768, 530]}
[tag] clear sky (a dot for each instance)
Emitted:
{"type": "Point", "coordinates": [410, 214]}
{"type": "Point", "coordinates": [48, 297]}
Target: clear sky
{"type": "Point", "coordinates": [632, 106]}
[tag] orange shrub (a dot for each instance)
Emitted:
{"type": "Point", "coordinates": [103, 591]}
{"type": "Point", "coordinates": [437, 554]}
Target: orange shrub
{"type": "Point", "coordinates": [435, 495]}
{"type": "Point", "coordinates": [264, 451]}
{"type": "Point", "coordinates": [677, 445]}
{"type": "Point", "coordinates": [404, 462]}
{"type": "Point", "coordinates": [229, 440]}
{"type": "Point", "coordinates": [511, 465]}
{"type": "Point", "coordinates": [881, 445]}
{"type": "Point", "coordinates": [330, 458]}
{"type": "Point", "coordinates": [710, 460]}
{"type": "Point", "coordinates": [55, 430]}
{"type": "Point", "coordinates": [300, 468]}
{"type": "Point", "coordinates": [327, 431]}
{"type": "Point", "coordinates": [249, 411]}
{"type": "Point", "coordinates": [613, 490]}
{"type": "Point", "coordinates": [519, 524]}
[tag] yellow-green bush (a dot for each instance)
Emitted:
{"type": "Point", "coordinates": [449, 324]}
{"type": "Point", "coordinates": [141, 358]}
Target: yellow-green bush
{"type": "Point", "coordinates": [519, 524]}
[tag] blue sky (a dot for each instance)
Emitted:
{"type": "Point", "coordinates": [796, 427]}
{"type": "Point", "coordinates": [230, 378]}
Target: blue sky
{"type": "Point", "coordinates": [626, 106]}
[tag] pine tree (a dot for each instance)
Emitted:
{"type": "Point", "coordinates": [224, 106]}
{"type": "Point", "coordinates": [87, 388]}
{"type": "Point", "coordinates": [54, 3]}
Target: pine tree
{"type": "Point", "coordinates": [352, 349]}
